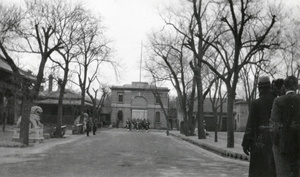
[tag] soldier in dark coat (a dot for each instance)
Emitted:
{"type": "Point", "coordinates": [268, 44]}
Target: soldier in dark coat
{"type": "Point", "coordinates": [128, 125]}
{"type": "Point", "coordinates": [257, 139]}
{"type": "Point", "coordinates": [285, 130]}
{"type": "Point", "coordinates": [88, 127]}
{"type": "Point", "coordinates": [94, 127]}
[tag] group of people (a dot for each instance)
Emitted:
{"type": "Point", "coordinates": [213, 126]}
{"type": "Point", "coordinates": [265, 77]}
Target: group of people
{"type": "Point", "coordinates": [90, 126]}
{"type": "Point", "coordinates": [272, 136]}
{"type": "Point", "coordinates": [137, 124]}
{"type": "Point", "coordinates": [87, 124]}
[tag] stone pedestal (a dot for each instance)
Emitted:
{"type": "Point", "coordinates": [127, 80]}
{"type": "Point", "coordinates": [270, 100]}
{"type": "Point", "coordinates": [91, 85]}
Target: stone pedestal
{"type": "Point", "coordinates": [35, 135]}
{"type": "Point", "coordinates": [77, 129]}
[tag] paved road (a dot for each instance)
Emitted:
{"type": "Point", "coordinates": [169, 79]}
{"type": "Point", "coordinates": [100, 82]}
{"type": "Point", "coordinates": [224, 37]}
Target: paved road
{"type": "Point", "coordinates": [116, 152]}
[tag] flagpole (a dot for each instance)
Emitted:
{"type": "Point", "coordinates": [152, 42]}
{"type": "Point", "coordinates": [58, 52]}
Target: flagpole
{"type": "Point", "coordinates": [141, 60]}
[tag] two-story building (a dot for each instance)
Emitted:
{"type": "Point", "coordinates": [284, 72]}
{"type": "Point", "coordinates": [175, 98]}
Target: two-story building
{"type": "Point", "coordinates": [137, 101]}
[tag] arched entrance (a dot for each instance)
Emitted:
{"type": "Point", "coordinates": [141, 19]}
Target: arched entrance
{"type": "Point", "coordinates": [119, 121]}
{"type": "Point", "coordinates": [139, 110]}
{"type": "Point", "coordinates": [157, 120]}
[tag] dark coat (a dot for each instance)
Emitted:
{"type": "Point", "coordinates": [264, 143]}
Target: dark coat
{"type": "Point", "coordinates": [258, 138]}
{"type": "Point", "coordinates": [88, 126]}
{"type": "Point", "coordinates": [284, 123]}
{"type": "Point", "coordinates": [94, 127]}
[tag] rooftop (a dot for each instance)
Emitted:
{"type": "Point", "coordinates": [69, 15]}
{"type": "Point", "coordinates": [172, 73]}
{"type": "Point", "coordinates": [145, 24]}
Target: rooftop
{"type": "Point", "coordinates": [70, 98]}
{"type": "Point", "coordinates": [139, 86]}
{"type": "Point", "coordinates": [4, 66]}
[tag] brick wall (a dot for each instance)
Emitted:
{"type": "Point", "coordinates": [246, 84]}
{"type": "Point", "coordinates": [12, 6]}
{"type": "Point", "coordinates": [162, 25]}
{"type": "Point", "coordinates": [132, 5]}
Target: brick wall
{"type": "Point", "coordinates": [138, 99]}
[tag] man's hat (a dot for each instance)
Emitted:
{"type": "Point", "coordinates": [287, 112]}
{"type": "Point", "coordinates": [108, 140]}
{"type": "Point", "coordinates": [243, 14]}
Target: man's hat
{"type": "Point", "coordinates": [264, 81]}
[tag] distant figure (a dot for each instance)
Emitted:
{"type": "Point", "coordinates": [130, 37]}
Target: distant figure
{"type": "Point", "coordinates": [147, 125]}
{"type": "Point", "coordinates": [94, 127]}
{"type": "Point", "coordinates": [128, 125]}
{"type": "Point", "coordinates": [134, 123]}
{"type": "Point", "coordinates": [117, 123]}
{"type": "Point", "coordinates": [285, 130]}
{"type": "Point", "coordinates": [138, 125]}
{"type": "Point", "coordinates": [88, 127]}
{"type": "Point", "coordinates": [257, 140]}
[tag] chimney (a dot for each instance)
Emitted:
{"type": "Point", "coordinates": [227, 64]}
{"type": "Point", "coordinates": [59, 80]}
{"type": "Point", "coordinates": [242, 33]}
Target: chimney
{"type": "Point", "coordinates": [50, 83]}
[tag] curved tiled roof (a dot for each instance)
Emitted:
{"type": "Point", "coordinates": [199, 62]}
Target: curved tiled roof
{"type": "Point", "coordinates": [4, 66]}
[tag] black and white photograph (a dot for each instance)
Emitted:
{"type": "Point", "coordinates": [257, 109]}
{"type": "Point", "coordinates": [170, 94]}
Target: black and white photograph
{"type": "Point", "coordinates": [150, 88]}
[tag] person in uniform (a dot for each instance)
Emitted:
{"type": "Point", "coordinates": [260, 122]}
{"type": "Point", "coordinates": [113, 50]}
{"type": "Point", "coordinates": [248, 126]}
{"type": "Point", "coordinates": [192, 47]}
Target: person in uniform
{"type": "Point", "coordinates": [128, 124]}
{"type": "Point", "coordinates": [94, 127]}
{"type": "Point", "coordinates": [88, 127]}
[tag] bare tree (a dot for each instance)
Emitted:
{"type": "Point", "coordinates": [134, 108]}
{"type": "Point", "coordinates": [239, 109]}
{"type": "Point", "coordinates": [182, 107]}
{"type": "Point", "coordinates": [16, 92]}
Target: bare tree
{"type": "Point", "coordinates": [218, 99]}
{"type": "Point", "coordinates": [199, 29]}
{"type": "Point", "coordinates": [290, 49]}
{"type": "Point", "coordinates": [68, 33]}
{"type": "Point", "coordinates": [97, 103]}
{"type": "Point", "coordinates": [94, 50]}
{"type": "Point", "coordinates": [169, 61]}
{"type": "Point", "coordinates": [157, 94]}
{"type": "Point", "coordinates": [10, 20]}
{"type": "Point", "coordinates": [193, 23]}
{"type": "Point", "coordinates": [250, 73]}
{"type": "Point", "coordinates": [37, 31]}
{"type": "Point", "coordinates": [231, 39]}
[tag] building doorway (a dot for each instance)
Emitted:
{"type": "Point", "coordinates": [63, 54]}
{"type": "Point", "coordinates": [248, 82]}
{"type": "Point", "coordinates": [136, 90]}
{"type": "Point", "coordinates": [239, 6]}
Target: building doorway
{"type": "Point", "coordinates": [119, 121]}
{"type": "Point", "coordinates": [139, 114]}
{"type": "Point", "coordinates": [157, 120]}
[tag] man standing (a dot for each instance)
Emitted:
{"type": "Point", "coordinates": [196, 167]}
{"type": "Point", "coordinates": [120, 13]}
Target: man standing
{"type": "Point", "coordinates": [88, 127]}
{"type": "Point", "coordinates": [94, 127]}
{"type": "Point", "coordinates": [257, 140]}
{"type": "Point", "coordinates": [284, 128]}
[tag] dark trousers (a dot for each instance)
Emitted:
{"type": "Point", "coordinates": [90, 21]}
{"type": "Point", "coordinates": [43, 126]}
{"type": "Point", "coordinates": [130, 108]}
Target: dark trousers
{"type": "Point", "coordinates": [285, 167]}
{"type": "Point", "coordinates": [87, 132]}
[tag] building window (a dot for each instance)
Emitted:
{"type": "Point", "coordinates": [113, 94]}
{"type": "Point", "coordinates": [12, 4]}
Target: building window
{"type": "Point", "coordinates": [120, 97]}
{"type": "Point", "coordinates": [157, 117]}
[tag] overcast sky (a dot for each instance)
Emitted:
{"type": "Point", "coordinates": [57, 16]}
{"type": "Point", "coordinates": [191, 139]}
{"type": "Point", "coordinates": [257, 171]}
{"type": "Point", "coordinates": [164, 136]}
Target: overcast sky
{"type": "Point", "coordinates": [128, 22]}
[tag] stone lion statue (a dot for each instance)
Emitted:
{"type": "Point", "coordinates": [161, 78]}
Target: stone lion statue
{"type": "Point", "coordinates": [35, 117]}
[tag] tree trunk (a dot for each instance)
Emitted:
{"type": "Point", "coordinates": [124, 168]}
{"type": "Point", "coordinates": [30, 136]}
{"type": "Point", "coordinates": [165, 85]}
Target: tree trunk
{"type": "Point", "coordinates": [190, 114]}
{"type": "Point", "coordinates": [25, 121]}
{"type": "Point", "coordinates": [82, 109]}
{"type": "Point", "coordinates": [230, 119]}
{"type": "Point", "coordinates": [215, 112]}
{"type": "Point", "coordinates": [200, 116]}
{"type": "Point", "coordinates": [95, 114]}
{"type": "Point", "coordinates": [59, 112]}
